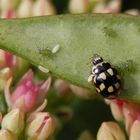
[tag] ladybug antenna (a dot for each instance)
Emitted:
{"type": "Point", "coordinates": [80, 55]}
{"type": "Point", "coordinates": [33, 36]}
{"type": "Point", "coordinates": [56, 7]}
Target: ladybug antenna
{"type": "Point", "coordinates": [96, 55]}
{"type": "Point", "coordinates": [97, 60]}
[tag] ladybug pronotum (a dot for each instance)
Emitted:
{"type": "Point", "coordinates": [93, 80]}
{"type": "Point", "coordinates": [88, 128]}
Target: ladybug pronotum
{"type": "Point", "coordinates": [105, 78]}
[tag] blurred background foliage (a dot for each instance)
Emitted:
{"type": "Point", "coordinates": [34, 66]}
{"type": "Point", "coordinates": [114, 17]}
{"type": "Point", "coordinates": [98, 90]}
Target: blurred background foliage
{"type": "Point", "coordinates": [126, 5]}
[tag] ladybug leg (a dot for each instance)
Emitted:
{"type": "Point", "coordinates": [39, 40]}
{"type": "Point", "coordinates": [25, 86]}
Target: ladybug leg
{"type": "Point", "coordinates": [90, 77]}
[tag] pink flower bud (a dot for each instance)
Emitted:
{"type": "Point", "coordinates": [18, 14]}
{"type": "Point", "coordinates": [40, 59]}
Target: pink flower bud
{"type": "Point", "coordinates": [40, 127]}
{"type": "Point", "coordinates": [112, 6]}
{"type": "Point", "coordinates": [8, 67]}
{"type": "Point", "coordinates": [8, 14]}
{"type": "Point", "coordinates": [5, 73]}
{"type": "Point", "coordinates": [2, 59]}
{"type": "Point", "coordinates": [134, 12]}
{"type": "Point", "coordinates": [43, 7]}
{"type": "Point", "coordinates": [128, 123]}
{"type": "Point", "coordinates": [27, 95]}
{"type": "Point", "coordinates": [99, 7]}
{"type": "Point", "coordinates": [7, 4]}
{"type": "Point", "coordinates": [7, 60]}
{"type": "Point", "coordinates": [117, 112]}
{"type": "Point", "coordinates": [110, 131]}
{"type": "Point", "coordinates": [14, 121]}
{"type": "Point", "coordinates": [135, 130]}
{"type": "Point", "coordinates": [125, 111]}
{"type": "Point", "coordinates": [6, 135]}
{"type": "Point", "coordinates": [77, 6]}
{"type": "Point", "coordinates": [130, 111]}
{"type": "Point", "coordinates": [116, 109]}
{"type": "Point", "coordinates": [25, 8]}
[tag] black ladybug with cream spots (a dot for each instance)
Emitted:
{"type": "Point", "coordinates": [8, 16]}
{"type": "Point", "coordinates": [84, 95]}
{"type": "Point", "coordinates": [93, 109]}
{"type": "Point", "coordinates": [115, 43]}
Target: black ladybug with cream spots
{"type": "Point", "coordinates": [105, 78]}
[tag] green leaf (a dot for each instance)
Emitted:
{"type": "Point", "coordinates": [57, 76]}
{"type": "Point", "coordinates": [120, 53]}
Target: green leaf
{"type": "Point", "coordinates": [3, 106]}
{"type": "Point", "coordinates": [116, 38]}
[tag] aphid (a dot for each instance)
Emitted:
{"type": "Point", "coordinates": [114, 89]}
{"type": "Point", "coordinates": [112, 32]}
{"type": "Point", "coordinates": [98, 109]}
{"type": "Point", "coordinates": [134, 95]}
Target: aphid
{"type": "Point", "coordinates": [43, 69]}
{"type": "Point", "coordinates": [105, 78]}
{"type": "Point", "coordinates": [56, 48]}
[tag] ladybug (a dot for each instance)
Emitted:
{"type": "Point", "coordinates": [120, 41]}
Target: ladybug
{"type": "Point", "coordinates": [105, 78]}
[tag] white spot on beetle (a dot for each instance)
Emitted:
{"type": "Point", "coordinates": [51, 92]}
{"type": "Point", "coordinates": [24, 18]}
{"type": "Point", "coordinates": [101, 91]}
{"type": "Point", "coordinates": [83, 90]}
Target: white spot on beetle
{"type": "Point", "coordinates": [102, 76]}
{"type": "Point", "coordinates": [110, 71]}
{"type": "Point", "coordinates": [90, 78]}
{"type": "Point", "coordinates": [102, 87]}
{"type": "Point", "coordinates": [94, 80]}
{"type": "Point", "coordinates": [117, 85]}
{"type": "Point", "coordinates": [45, 70]}
{"type": "Point", "coordinates": [96, 71]}
{"type": "Point", "coordinates": [98, 90]}
{"type": "Point", "coordinates": [110, 89]}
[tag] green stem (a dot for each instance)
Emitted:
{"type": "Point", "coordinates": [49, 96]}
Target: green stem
{"type": "Point", "coordinates": [116, 38]}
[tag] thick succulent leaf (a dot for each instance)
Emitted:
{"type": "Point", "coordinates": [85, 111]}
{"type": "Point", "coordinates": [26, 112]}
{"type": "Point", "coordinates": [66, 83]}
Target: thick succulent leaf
{"type": "Point", "coordinates": [116, 38]}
